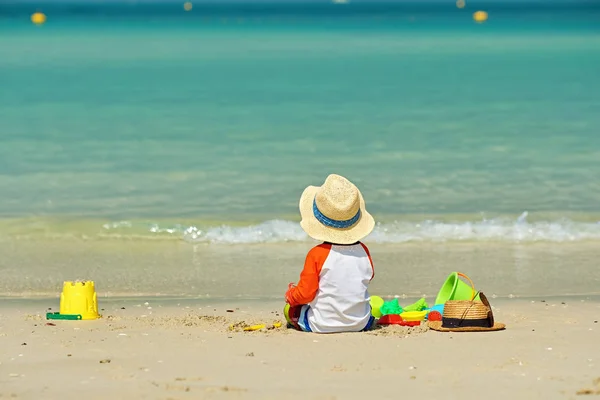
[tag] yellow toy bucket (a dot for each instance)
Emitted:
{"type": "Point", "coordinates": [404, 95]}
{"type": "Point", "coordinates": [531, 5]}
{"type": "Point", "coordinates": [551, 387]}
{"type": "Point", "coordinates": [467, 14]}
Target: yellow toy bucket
{"type": "Point", "coordinates": [456, 289]}
{"type": "Point", "coordinates": [79, 298]}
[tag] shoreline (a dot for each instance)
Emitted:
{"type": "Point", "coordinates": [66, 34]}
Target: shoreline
{"type": "Point", "coordinates": [38, 268]}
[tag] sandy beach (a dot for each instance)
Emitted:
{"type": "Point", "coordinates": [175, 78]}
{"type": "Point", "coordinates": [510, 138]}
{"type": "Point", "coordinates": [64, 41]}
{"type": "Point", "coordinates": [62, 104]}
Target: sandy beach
{"type": "Point", "coordinates": [174, 349]}
{"type": "Point", "coordinates": [161, 149]}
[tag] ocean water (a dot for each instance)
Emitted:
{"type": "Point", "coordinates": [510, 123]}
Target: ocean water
{"type": "Point", "coordinates": [148, 124]}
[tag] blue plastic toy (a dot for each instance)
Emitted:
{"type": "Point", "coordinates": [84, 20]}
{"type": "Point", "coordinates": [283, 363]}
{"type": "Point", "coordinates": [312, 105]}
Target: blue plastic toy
{"type": "Point", "coordinates": [438, 307]}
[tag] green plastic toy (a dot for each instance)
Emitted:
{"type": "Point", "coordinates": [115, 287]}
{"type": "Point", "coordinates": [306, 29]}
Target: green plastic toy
{"type": "Point", "coordinates": [419, 305]}
{"type": "Point", "coordinates": [57, 315]}
{"type": "Point", "coordinates": [391, 307]}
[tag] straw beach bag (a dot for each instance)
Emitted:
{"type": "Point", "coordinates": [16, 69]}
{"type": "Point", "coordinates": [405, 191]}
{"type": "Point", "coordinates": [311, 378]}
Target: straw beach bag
{"type": "Point", "coordinates": [467, 316]}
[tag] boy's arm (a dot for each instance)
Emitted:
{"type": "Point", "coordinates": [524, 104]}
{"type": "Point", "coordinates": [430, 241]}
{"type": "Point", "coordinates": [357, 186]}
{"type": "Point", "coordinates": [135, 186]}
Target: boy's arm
{"type": "Point", "coordinates": [370, 259]}
{"type": "Point", "coordinates": [308, 286]}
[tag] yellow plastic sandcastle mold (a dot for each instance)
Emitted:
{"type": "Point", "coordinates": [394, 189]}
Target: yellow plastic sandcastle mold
{"type": "Point", "coordinates": [79, 298]}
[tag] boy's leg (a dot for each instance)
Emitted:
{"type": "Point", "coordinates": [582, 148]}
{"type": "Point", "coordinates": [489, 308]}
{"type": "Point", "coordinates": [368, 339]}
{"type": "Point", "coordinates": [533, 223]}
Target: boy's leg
{"type": "Point", "coordinates": [370, 324]}
{"type": "Point", "coordinates": [296, 317]}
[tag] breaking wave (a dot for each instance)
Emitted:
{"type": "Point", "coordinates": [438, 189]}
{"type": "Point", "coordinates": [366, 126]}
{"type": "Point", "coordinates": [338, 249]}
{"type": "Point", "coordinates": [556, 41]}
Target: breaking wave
{"type": "Point", "coordinates": [281, 231]}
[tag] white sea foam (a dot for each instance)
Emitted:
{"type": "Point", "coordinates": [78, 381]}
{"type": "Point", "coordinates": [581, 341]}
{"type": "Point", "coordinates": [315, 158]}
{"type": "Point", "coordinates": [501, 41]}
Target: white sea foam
{"type": "Point", "coordinates": [280, 231]}
{"type": "Point", "coordinates": [266, 232]}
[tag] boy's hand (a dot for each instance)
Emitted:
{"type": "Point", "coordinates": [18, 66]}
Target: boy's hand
{"type": "Point", "coordinates": [287, 293]}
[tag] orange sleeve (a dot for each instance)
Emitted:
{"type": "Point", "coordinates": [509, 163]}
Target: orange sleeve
{"type": "Point", "coordinates": [370, 259]}
{"type": "Point", "coordinates": [308, 286]}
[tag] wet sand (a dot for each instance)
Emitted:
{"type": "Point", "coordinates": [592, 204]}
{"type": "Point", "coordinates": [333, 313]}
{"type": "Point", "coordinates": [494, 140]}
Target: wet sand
{"type": "Point", "coordinates": [176, 268]}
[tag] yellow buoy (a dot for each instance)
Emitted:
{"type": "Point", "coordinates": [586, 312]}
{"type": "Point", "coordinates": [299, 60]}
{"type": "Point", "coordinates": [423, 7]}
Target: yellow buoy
{"type": "Point", "coordinates": [38, 18]}
{"type": "Point", "coordinates": [460, 3]}
{"type": "Point", "coordinates": [480, 16]}
{"type": "Point", "coordinates": [187, 6]}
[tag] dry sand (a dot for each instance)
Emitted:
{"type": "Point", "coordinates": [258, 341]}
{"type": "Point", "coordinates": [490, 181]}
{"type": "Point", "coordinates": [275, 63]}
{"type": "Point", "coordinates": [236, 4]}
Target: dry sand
{"type": "Point", "coordinates": [163, 350]}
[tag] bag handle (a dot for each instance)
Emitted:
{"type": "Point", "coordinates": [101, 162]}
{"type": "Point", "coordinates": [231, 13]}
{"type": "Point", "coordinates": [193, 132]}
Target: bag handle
{"type": "Point", "coordinates": [473, 292]}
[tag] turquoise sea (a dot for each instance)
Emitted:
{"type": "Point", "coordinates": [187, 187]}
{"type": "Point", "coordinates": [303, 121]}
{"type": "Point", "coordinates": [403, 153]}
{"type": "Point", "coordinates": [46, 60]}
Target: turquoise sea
{"type": "Point", "coordinates": [129, 123]}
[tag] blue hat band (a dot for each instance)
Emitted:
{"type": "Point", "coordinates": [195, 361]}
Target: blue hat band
{"type": "Point", "coordinates": [333, 223]}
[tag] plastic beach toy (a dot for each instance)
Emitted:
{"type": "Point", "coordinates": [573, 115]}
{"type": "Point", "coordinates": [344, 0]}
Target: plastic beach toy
{"type": "Point", "coordinates": [438, 308]}
{"type": "Point", "coordinates": [258, 327]}
{"type": "Point", "coordinates": [255, 327]}
{"type": "Point", "coordinates": [376, 303]}
{"type": "Point", "coordinates": [390, 319]}
{"type": "Point", "coordinates": [391, 307]}
{"type": "Point", "coordinates": [455, 289]}
{"type": "Point", "coordinates": [78, 298]}
{"type": "Point", "coordinates": [434, 316]}
{"type": "Point", "coordinates": [419, 305]}
{"type": "Point", "coordinates": [57, 315]}
{"type": "Point", "coordinates": [395, 319]}
{"type": "Point", "coordinates": [412, 316]}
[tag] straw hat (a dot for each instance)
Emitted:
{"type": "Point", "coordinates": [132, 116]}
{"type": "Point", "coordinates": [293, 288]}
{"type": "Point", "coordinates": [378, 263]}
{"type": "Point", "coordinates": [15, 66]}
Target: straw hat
{"type": "Point", "coordinates": [335, 212]}
{"type": "Point", "coordinates": [467, 316]}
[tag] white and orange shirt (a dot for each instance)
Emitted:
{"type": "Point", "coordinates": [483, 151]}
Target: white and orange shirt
{"type": "Point", "coordinates": [334, 284]}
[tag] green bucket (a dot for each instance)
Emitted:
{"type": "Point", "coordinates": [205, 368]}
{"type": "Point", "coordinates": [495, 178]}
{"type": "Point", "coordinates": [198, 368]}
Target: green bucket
{"type": "Point", "coordinates": [456, 289]}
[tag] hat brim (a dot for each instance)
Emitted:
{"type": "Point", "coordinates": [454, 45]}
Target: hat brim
{"type": "Point", "coordinates": [318, 231]}
{"type": "Point", "coordinates": [437, 326]}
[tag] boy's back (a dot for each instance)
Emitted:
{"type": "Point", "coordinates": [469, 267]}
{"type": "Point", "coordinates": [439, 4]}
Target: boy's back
{"type": "Point", "coordinates": [342, 299]}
